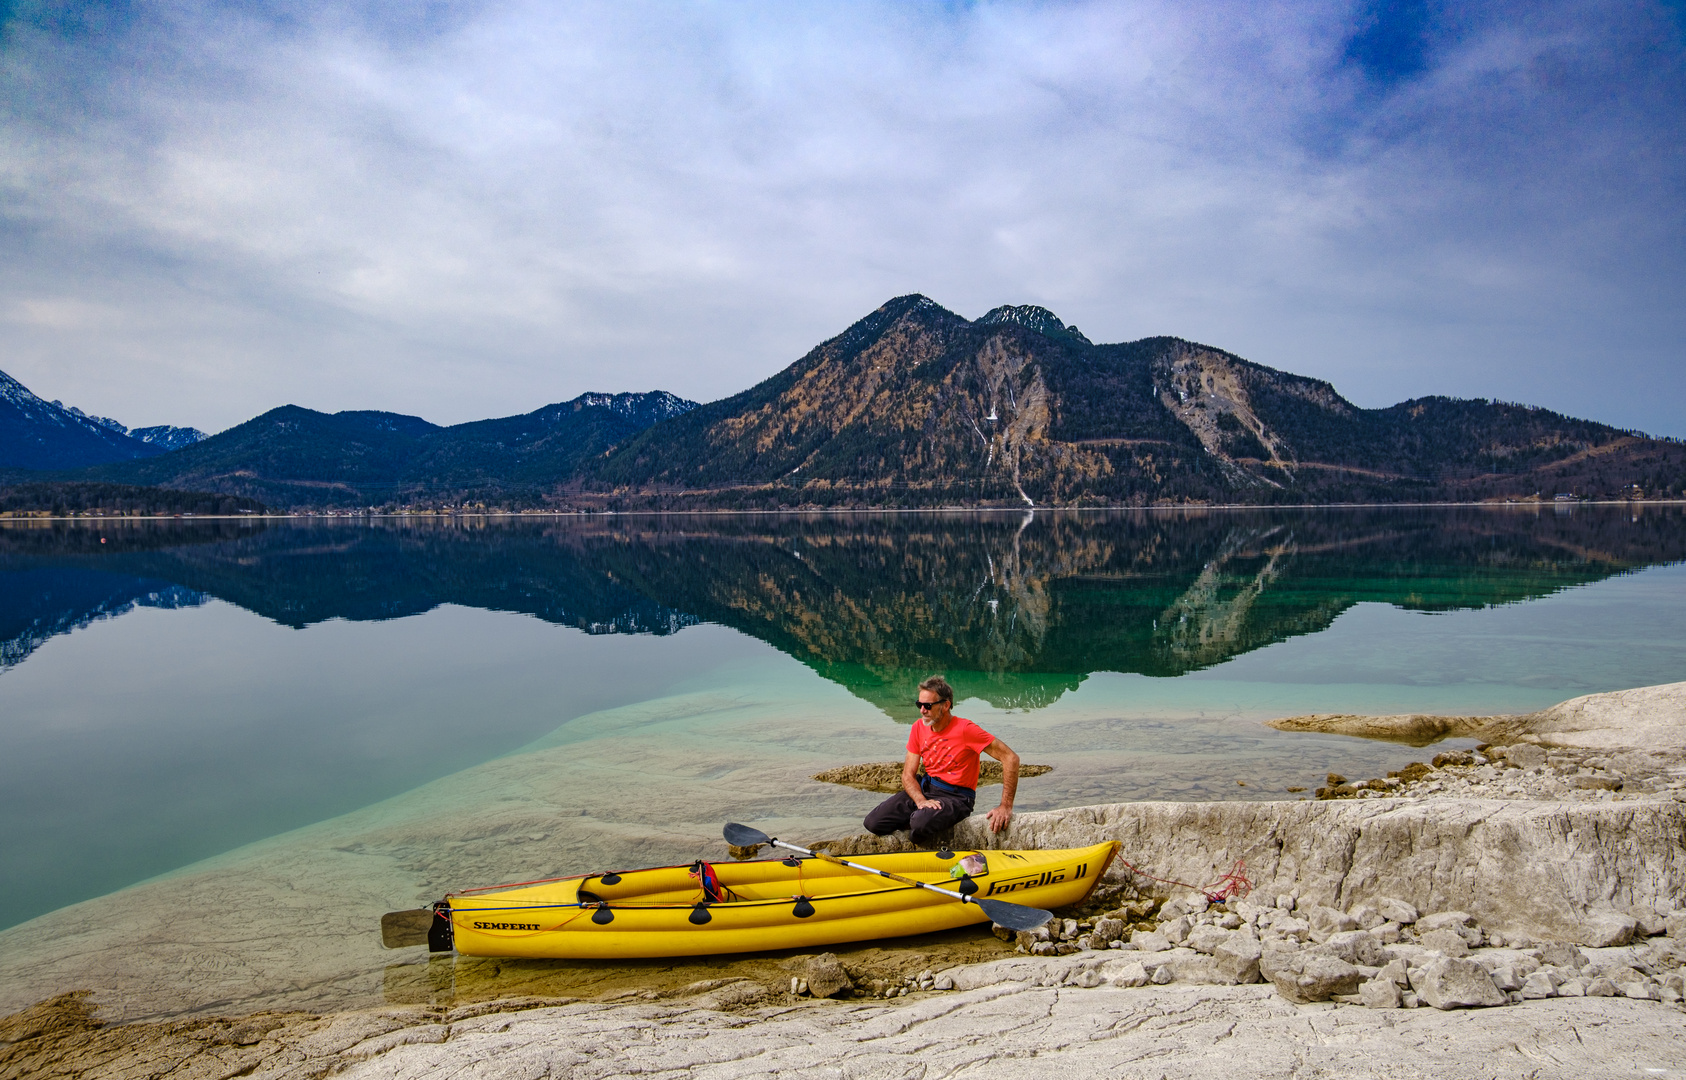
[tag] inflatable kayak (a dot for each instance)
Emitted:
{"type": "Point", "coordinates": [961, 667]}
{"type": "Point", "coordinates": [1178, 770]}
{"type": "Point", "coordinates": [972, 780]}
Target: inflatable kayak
{"type": "Point", "coordinates": [763, 904]}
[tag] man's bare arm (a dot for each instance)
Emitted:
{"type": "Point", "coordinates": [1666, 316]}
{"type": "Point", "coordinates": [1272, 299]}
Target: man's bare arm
{"type": "Point", "coordinates": [1001, 815]}
{"type": "Point", "coordinates": [910, 782]}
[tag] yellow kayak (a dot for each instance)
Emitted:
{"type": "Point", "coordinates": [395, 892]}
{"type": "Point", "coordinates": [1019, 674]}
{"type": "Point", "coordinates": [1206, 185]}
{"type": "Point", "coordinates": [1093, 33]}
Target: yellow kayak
{"type": "Point", "coordinates": [763, 904]}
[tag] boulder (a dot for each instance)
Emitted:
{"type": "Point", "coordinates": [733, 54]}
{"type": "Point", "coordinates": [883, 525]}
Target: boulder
{"type": "Point", "coordinates": [1452, 983]}
{"type": "Point", "coordinates": [1674, 924]}
{"type": "Point", "coordinates": [1237, 958]}
{"type": "Point", "coordinates": [1325, 921]}
{"type": "Point", "coordinates": [1109, 930]}
{"type": "Point", "coordinates": [1298, 929]}
{"type": "Point", "coordinates": [1307, 977]}
{"type": "Point", "coordinates": [825, 976]}
{"type": "Point", "coordinates": [1459, 922]}
{"type": "Point", "coordinates": [1647, 923]}
{"type": "Point", "coordinates": [1606, 930]}
{"type": "Point", "coordinates": [1562, 954]}
{"type": "Point", "coordinates": [1504, 977]}
{"type": "Point", "coordinates": [1133, 974]}
{"type": "Point", "coordinates": [1275, 954]}
{"type": "Point", "coordinates": [1380, 994]}
{"type": "Point", "coordinates": [1396, 970]}
{"type": "Point", "coordinates": [1575, 987]}
{"type": "Point", "coordinates": [1355, 947]}
{"type": "Point", "coordinates": [1175, 931]}
{"type": "Point", "coordinates": [1396, 911]}
{"type": "Point", "coordinates": [1525, 755]}
{"type": "Point", "coordinates": [1541, 984]}
{"type": "Point", "coordinates": [1601, 987]}
{"type": "Point", "coordinates": [1368, 916]}
{"type": "Point", "coordinates": [1206, 939]}
{"type": "Point", "coordinates": [1149, 941]}
{"type": "Point", "coordinates": [1449, 942]}
{"type": "Point", "coordinates": [1161, 975]}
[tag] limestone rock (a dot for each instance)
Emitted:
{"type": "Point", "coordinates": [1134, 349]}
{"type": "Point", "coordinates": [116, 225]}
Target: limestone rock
{"type": "Point", "coordinates": [1452, 983]}
{"type": "Point", "coordinates": [1308, 977]}
{"type": "Point", "coordinates": [1674, 924]}
{"type": "Point", "coordinates": [1562, 954]}
{"type": "Point", "coordinates": [1149, 941]}
{"type": "Point", "coordinates": [1459, 922]}
{"type": "Point", "coordinates": [1162, 975]}
{"type": "Point", "coordinates": [1396, 911]}
{"type": "Point", "coordinates": [1298, 929]}
{"type": "Point", "coordinates": [1355, 947]}
{"type": "Point", "coordinates": [1206, 939]}
{"type": "Point", "coordinates": [1541, 984]}
{"type": "Point", "coordinates": [1132, 975]}
{"type": "Point", "coordinates": [1109, 930]}
{"type": "Point", "coordinates": [1607, 930]}
{"type": "Point", "coordinates": [1325, 921]}
{"type": "Point", "coordinates": [1237, 958]}
{"type": "Point", "coordinates": [1449, 942]}
{"type": "Point", "coordinates": [826, 977]}
{"type": "Point", "coordinates": [1601, 987]}
{"type": "Point", "coordinates": [1379, 994]}
{"type": "Point", "coordinates": [1504, 977]}
{"type": "Point", "coordinates": [1525, 755]}
{"type": "Point", "coordinates": [1274, 955]}
{"type": "Point", "coordinates": [1647, 923]}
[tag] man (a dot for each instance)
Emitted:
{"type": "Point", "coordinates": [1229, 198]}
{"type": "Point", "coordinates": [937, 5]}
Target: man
{"type": "Point", "coordinates": [948, 746]}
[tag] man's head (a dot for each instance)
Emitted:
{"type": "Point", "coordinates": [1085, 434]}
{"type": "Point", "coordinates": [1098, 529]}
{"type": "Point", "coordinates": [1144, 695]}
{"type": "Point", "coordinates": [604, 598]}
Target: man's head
{"type": "Point", "coordinates": [936, 702]}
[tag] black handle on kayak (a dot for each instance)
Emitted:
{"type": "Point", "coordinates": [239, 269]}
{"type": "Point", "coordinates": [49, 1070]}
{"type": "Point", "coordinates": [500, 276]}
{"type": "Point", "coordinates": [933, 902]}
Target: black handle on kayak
{"type": "Point", "coordinates": [1012, 916]}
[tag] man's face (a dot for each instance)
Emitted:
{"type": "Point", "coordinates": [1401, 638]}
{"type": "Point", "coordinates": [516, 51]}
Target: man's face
{"type": "Point", "coordinates": [933, 710]}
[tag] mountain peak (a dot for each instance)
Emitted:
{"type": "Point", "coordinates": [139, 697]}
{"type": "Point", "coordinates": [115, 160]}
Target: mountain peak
{"type": "Point", "coordinates": [1039, 319]}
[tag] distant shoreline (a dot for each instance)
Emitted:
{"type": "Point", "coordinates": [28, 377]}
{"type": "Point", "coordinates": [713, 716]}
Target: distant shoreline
{"type": "Point", "coordinates": [1534, 504]}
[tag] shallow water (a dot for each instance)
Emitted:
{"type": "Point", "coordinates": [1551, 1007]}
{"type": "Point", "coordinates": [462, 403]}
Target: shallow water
{"type": "Point", "coordinates": [405, 707]}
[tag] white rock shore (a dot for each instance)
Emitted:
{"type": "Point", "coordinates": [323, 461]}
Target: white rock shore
{"type": "Point", "coordinates": [1481, 917]}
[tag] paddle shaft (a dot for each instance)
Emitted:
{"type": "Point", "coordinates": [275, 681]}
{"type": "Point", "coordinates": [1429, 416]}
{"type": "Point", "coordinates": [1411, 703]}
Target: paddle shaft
{"type": "Point", "coordinates": [962, 897]}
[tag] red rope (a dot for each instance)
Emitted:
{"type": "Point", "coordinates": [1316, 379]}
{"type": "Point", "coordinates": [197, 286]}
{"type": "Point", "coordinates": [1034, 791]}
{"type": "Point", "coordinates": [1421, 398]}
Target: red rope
{"type": "Point", "coordinates": [1233, 885]}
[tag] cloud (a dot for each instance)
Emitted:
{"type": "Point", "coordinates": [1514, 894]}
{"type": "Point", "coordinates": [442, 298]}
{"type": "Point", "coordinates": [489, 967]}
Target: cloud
{"type": "Point", "coordinates": [470, 211]}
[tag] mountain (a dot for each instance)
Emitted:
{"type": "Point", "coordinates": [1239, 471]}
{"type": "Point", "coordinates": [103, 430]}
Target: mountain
{"type": "Point", "coordinates": [168, 437]}
{"type": "Point", "coordinates": [915, 405]}
{"type": "Point", "coordinates": [297, 457]}
{"type": "Point", "coordinates": [37, 434]}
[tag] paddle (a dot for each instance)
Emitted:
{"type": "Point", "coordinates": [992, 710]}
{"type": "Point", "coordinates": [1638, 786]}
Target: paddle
{"type": "Point", "coordinates": [1012, 916]}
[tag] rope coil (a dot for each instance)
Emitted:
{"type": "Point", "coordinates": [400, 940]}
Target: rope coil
{"type": "Point", "coordinates": [1231, 886]}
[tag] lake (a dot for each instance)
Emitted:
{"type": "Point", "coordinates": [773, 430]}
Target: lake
{"type": "Point", "coordinates": [433, 703]}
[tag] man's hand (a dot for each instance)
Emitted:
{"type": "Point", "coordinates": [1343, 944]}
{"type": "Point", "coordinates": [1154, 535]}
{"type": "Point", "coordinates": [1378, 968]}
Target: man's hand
{"type": "Point", "coordinates": [999, 817]}
{"type": "Point", "coordinates": [927, 804]}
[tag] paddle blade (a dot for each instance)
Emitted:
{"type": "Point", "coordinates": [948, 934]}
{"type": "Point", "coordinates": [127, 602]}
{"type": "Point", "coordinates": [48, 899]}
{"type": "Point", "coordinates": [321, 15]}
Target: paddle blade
{"type": "Point", "coordinates": [401, 929]}
{"type": "Point", "coordinates": [1013, 916]}
{"type": "Point", "coordinates": [744, 836]}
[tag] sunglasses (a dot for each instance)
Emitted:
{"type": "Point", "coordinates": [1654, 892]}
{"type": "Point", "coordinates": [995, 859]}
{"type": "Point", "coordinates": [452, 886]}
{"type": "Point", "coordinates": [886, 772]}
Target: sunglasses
{"type": "Point", "coordinates": [923, 705]}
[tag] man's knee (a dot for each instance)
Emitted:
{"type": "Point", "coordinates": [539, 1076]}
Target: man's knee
{"type": "Point", "coordinates": [888, 816]}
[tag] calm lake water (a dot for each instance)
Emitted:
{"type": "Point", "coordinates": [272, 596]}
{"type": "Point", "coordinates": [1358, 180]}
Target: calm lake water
{"type": "Point", "coordinates": [172, 691]}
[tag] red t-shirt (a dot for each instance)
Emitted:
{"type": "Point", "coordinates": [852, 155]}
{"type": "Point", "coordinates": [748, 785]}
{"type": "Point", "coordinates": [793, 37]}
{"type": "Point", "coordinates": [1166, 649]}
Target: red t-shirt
{"type": "Point", "coordinates": [950, 755]}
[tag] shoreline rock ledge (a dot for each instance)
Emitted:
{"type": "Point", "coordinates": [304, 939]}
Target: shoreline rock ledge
{"type": "Point", "coordinates": [1540, 871]}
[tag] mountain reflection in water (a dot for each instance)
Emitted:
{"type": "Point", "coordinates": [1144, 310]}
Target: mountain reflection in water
{"type": "Point", "coordinates": [1016, 608]}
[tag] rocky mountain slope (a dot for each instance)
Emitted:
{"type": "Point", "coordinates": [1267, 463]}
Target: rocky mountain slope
{"type": "Point", "coordinates": [915, 405]}
{"type": "Point", "coordinates": [37, 434]}
{"type": "Point", "coordinates": [296, 457]}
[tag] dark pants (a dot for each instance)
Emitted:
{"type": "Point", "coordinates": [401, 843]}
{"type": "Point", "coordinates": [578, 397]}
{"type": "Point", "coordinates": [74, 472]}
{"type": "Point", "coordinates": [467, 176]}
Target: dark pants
{"type": "Point", "coordinates": [899, 812]}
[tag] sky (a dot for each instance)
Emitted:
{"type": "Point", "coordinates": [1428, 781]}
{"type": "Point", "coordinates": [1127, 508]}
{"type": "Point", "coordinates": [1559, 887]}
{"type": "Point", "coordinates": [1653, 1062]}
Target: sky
{"type": "Point", "coordinates": [475, 209]}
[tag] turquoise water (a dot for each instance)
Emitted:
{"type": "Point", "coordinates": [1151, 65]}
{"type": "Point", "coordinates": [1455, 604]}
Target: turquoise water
{"type": "Point", "coordinates": [180, 690]}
